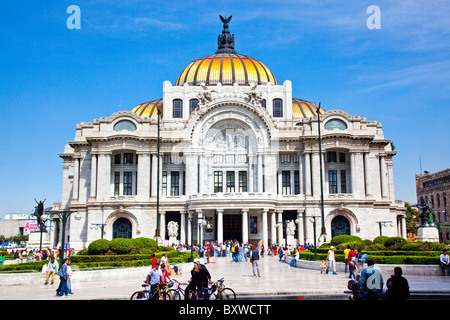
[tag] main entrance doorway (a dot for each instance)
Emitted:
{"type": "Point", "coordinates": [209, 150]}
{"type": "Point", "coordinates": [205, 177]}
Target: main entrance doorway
{"type": "Point", "coordinates": [340, 225]}
{"type": "Point", "coordinates": [232, 227]}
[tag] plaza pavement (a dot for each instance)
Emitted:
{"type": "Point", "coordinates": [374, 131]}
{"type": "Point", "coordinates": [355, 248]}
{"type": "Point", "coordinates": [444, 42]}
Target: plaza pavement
{"type": "Point", "coordinates": [277, 280]}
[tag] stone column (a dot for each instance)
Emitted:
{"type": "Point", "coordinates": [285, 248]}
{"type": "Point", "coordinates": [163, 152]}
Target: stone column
{"type": "Point", "coordinates": [250, 173]}
{"type": "Point", "coordinates": [383, 173]}
{"type": "Point", "coordinates": [300, 227]}
{"type": "Point", "coordinates": [162, 225]}
{"type": "Point", "coordinates": [260, 173]}
{"type": "Point", "coordinates": [143, 175]}
{"type": "Point", "coordinates": [182, 227]}
{"type": "Point", "coordinates": [244, 225]}
{"type": "Point", "coordinates": [265, 231]}
{"type": "Point", "coordinates": [307, 158]}
{"type": "Point", "coordinates": [76, 177]}
{"type": "Point", "coordinates": [154, 174]}
{"type": "Point", "coordinates": [273, 229]}
{"type": "Point", "coordinates": [93, 190]}
{"type": "Point", "coordinates": [189, 229]}
{"type": "Point", "coordinates": [219, 225]}
{"type": "Point", "coordinates": [104, 176]}
{"type": "Point", "coordinates": [280, 228]}
{"type": "Point", "coordinates": [368, 185]}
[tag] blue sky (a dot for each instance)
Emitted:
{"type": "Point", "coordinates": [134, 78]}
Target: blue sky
{"type": "Point", "coordinates": [53, 78]}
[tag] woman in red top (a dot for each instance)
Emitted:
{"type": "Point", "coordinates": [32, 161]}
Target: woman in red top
{"type": "Point", "coordinates": [165, 273]}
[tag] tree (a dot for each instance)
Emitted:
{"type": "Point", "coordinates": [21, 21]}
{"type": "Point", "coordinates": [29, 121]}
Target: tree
{"type": "Point", "coordinates": [412, 219]}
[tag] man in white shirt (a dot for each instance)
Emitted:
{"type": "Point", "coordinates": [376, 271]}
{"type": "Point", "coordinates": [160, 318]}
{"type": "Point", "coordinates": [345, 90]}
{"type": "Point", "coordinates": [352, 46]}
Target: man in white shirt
{"type": "Point", "coordinates": [154, 277]}
{"type": "Point", "coordinates": [52, 269]}
{"type": "Point", "coordinates": [444, 262]}
{"type": "Point", "coordinates": [331, 260]}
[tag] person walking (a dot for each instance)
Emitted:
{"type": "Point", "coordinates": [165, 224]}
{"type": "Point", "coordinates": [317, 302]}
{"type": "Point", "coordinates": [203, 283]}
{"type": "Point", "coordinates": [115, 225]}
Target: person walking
{"type": "Point", "coordinates": [397, 286]}
{"type": "Point", "coordinates": [346, 252]}
{"type": "Point", "coordinates": [254, 259]}
{"type": "Point", "coordinates": [64, 275]}
{"type": "Point", "coordinates": [52, 269]}
{"type": "Point", "coordinates": [371, 282]}
{"type": "Point", "coordinates": [331, 260]}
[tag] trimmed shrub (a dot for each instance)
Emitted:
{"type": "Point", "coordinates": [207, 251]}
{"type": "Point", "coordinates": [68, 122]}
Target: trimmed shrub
{"type": "Point", "coordinates": [100, 246]}
{"type": "Point", "coordinates": [344, 238]}
{"type": "Point", "coordinates": [121, 245]}
{"type": "Point", "coordinates": [380, 240]}
{"type": "Point", "coordinates": [394, 241]}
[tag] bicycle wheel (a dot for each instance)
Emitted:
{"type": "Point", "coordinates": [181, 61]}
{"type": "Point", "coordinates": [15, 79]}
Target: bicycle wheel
{"type": "Point", "coordinates": [175, 295]}
{"type": "Point", "coordinates": [228, 294]}
{"type": "Point", "coordinates": [135, 296]}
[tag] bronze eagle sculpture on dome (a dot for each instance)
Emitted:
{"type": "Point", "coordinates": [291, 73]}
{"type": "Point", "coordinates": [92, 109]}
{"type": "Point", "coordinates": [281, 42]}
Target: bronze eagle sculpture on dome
{"type": "Point", "coordinates": [225, 41]}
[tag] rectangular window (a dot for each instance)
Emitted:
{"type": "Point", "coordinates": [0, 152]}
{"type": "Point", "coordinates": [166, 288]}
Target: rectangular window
{"type": "Point", "coordinates": [127, 183]}
{"type": "Point", "coordinates": [341, 157]}
{"type": "Point", "coordinates": [117, 158]}
{"type": "Point", "coordinates": [218, 180]}
{"type": "Point", "coordinates": [177, 108]}
{"type": "Point", "coordinates": [230, 181]}
{"type": "Point", "coordinates": [286, 182]}
{"type": "Point", "coordinates": [343, 182]}
{"type": "Point", "coordinates": [116, 183]}
{"type": "Point", "coordinates": [331, 156]}
{"type": "Point", "coordinates": [127, 158]}
{"type": "Point", "coordinates": [174, 183]}
{"type": "Point", "coordinates": [193, 104]}
{"type": "Point", "coordinates": [164, 183]}
{"type": "Point", "coordinates": [277, 108]}
{"type": "Point", "coordinates": [332, 181]}
{"type": "Point", "coordinates": [242, 181]}
{"type": "Point", "coordinates": [296, 182]}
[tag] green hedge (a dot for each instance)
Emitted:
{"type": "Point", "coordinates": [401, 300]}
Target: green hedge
{"type": "Point", "coordinates": [102, 261]}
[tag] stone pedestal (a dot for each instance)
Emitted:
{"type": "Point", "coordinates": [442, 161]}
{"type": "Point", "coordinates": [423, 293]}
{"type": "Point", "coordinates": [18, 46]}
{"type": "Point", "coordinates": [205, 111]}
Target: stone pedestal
{"type": "Point", "coordinates": [430, 234]}
{"type": "Point", "coordinates": [173, 240]}
{"type": "Point", "coordinates": [34, 239]}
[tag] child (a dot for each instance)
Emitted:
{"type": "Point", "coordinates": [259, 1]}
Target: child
{"type": "Point", "coordinates": [323, 267]}
{"type": "Point", "coordinates": [352, 268]}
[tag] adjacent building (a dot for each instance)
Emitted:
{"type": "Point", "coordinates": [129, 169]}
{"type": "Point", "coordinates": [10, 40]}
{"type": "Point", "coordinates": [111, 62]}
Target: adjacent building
{"type": "Point", "coordinates": [435, 188]}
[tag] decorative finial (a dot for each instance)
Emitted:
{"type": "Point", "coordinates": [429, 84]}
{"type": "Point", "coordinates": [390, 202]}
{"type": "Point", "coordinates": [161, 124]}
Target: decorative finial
{"type": "Point", "coordinates": [225, 41]}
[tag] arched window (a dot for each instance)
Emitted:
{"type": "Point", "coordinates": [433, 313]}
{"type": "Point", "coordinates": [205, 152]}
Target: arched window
{"type": "Point", "coordinates": [125, 125]}
{"type": "Point", "coordinates": [177, 108]}
{"type": "Point", "coordinates": [277, 108]}
{"type": "Point", "coordinates": [193, 104]}
{"type": "Point", "coordinates": [335, 124]}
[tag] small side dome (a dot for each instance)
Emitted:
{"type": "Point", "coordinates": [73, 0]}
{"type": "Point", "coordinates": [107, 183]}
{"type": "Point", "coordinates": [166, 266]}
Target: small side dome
{"type": "Point", "coordinates": [149, 109]}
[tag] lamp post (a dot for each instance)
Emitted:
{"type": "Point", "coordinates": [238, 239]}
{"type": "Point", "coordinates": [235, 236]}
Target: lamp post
{"type": "Point", "coordinates": [63, 216]}
{"type": "Point", "coordinates": [191, 221]}
{"type": "Point", "coordinates": [313, 220]}
{"type": "Point", "coordinates": [97, 226]}
{"type": "Point", "coordinates": [157, 231]}
{"type": "Point", "coordinates": [323, 232]}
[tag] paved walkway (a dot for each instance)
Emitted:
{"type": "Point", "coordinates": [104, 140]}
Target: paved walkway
{"type": "Point", "coordinates": [277, 279]}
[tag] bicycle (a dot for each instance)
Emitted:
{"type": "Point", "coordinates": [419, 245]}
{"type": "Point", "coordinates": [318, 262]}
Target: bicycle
{"type": "Point", "coordinates": [178, 293]}
{"type": "Point", "coordinates": [162, 292]}
{"type": "Point", "coordinates": [217, 291]}
{"type": "Point", "coordinates": [223, 293]}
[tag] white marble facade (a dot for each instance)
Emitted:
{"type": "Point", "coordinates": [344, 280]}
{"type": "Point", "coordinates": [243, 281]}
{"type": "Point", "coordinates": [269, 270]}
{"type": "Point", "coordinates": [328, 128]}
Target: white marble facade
{"type": "Point", "coordinates": [233, 164]}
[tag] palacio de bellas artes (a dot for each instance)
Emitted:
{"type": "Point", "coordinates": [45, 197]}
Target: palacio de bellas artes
{"type": "Point", "coordinates": [230, 150]}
